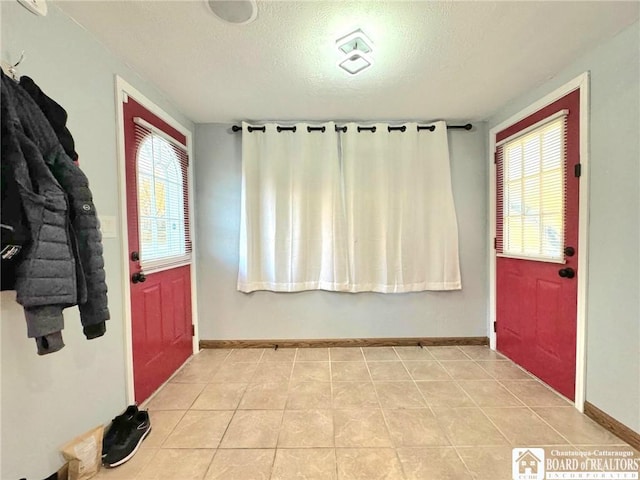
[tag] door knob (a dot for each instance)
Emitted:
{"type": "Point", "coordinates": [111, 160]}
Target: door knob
{"type": "Point", "coordinates": [138, 277]}
{"type": "Point", "coordinates": [569, 251]}
{"type": "Point", "coordinates": [567, 272]}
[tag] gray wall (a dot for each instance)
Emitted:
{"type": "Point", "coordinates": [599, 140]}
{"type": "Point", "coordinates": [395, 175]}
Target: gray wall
{"type": "Point", "coordinates": [48, 400]}
{"type": "Point", "coordinates": [228, 314]}
{"type": "Point", "coordinates": [613, 308]}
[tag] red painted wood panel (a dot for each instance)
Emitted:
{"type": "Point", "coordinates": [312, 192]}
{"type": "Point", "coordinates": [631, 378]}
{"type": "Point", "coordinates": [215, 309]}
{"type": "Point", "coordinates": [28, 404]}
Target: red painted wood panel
{"type": "Point", "coordinates": [161, 306]}
{"type": "Point", "coordinates": [536, 308]}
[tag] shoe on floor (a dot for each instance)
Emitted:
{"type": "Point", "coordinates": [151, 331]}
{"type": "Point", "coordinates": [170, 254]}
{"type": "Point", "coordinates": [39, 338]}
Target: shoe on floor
{"type": "Point", "coordinates": [116, 425]}
{"type": "Point", "coordinates": [128, 440]}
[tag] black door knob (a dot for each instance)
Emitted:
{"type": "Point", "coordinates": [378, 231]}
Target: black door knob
{"type": "Point", "coordinates": [569, 251]}
{"type": "Point", "coordinates": [567, 272]}
{"type": "Point", "coordinates": [138, 277]}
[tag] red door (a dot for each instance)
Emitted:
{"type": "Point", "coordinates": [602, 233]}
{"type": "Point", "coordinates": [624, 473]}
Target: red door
{"type": "Point", "coordinates": [159, 247]}
{"type": "Point", "coordinates": [537, 242]}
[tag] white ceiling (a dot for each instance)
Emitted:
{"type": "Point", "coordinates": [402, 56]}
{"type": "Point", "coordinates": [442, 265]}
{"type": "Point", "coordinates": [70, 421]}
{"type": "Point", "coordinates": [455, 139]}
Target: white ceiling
{"type": "Point", "coordinates": [433, 60]}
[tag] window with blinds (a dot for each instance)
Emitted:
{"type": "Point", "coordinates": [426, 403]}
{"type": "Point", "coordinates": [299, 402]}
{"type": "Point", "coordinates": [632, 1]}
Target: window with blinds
{"type": "Point", "coordinates": [163, 214]}
{"type": "Point", "coordinates": [531, 192]}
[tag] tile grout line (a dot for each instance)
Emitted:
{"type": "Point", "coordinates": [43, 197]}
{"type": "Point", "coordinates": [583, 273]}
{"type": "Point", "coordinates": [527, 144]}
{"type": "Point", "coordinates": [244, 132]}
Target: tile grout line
{"type": "Point", "coordinates": [333, 417]}
{"type": "Point", "coordinates": [415, 384]}
{"type": "Point", "coordinates": [498, 380]}
{"type": "Point", "coordinates": [275, 448]}
{"type": "Point", "coordinates": [455, 447]}
{"type": "Point", "coordinates": [494, 378]}
{"type": "Point", "coordinates": [160, 447]}
{"type": "Point", "coordinates": [190, 408]}
{"type": "Point", "coordinates": [137, 475]}
{"type": "Point", "coordinates": [432, 411]}
{"type": "Point", "coordinates": [235, 410]}
{"type": "Point", "coordinates": [529, 407]}
{"type": "Point", "coordinates": [296, 359]}
{"type": "Point", "coordinates": [451, 443]}
{"type": "Point", "coordinates": [384, 417]}
{"type": "Point", "coordinates": [217, 449]}
{"type": "Point", "coordinates": [333, 408]}
{"type": "Point", "coordinates": [480, 408]}
{"type": "Point", "coordinates": [569, 443]}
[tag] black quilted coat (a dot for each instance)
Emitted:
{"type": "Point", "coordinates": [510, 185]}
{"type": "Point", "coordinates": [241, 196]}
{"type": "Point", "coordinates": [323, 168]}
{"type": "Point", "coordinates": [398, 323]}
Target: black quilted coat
{"type": "Point", "coordinates": [62, 265]}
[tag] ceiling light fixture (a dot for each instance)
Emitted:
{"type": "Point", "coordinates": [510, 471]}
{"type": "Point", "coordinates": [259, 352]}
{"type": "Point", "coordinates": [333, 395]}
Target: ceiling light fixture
{"type": "Point", "coordinates": [355, 62]}
{"type": "Point", "coordinates": [356, 49]}
{"type": "Point", "coordinates": [237, 12]}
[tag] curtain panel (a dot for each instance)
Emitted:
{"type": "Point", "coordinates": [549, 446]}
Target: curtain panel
{"type": "Point", "coordinates": [402, 228]}
{"type": "Point", "coordinates": [351, 212]}
{"type": "Point", "coordinates": [292, 228]}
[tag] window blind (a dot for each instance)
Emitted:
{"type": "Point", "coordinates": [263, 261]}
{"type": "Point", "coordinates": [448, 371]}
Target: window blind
{"type": "Point", "coordinates": [531, 187]}
{"type": "Point", "coordinates": [163, 204]}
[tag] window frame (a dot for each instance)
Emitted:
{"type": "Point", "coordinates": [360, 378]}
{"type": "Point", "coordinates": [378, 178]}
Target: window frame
{"type": "Point", "coordinates": [501, 181]}
{"type": "Point", "coordinates": [149, 133]}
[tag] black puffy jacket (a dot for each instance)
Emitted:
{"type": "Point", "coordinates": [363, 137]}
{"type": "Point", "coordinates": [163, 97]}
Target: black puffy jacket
{"type": "Point", "coordinates": [63, 264]}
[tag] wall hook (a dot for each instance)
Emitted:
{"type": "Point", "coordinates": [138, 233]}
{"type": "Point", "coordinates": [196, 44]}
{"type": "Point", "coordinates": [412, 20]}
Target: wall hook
{"type": "Point", "coordinates": [37, 7]}
{"type": "Point", "coordinates": [15, 65]}
{"type": "Point", "coordinates": [12, 68]}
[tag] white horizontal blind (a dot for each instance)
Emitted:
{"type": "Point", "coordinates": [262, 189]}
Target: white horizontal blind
{"type": "Point", "coordinates": [162, 192]}
{"type": "Point", "coordinates": [531, 193]}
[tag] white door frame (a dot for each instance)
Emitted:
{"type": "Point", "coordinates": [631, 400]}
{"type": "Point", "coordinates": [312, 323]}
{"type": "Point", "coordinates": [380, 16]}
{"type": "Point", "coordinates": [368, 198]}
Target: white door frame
{"type": "Point", "coordinates": [123, 91]}
{"type": "Point", "coordinates": [581, 82]}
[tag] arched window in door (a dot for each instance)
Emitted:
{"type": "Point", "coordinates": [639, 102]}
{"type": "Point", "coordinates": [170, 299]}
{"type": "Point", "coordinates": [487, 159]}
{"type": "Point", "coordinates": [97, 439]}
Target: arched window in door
{"type": "Point", "coordinates": [161, 171]}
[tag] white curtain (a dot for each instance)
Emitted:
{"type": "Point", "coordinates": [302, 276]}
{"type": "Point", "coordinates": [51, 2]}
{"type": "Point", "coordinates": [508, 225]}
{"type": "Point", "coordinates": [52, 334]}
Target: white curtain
{"type": "Point", "coordinates": [402, 227]}
{"type": "Point", "coordinates": [353, 212]}
{"type": "Point", "coordinates": [293, 231]}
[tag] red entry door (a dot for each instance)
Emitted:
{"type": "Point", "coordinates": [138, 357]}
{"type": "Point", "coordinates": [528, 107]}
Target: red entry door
{"type": "Point", "coordinates": [159, 247]}
{"type": "Point", "coordinates": [537, 243]}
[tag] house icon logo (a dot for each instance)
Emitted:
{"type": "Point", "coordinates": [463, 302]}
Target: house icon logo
{"type": "Point", "coordinates": [528, 463]}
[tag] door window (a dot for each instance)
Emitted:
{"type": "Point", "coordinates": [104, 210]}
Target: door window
{"type": "Point", "coordinates": [163, 221]}
{"type": "Point", "coordinates": [531, 192]}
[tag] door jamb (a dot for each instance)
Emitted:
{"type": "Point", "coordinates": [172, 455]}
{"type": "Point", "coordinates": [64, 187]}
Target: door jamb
{"type": "Point", "coordinates": [122, 91]}
{"type": "Point", "coordinates": [582, 83]}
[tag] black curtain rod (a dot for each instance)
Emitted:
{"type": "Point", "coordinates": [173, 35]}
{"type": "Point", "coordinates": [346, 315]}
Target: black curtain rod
{"type": "Point", "coordinates": [402, 128]}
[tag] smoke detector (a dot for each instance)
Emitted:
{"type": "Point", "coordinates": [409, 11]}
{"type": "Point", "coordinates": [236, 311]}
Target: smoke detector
{"type": "Point", "coordinates": [236, 12]}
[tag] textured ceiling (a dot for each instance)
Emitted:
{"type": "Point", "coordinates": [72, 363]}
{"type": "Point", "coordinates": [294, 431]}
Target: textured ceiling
{"type": "Point", "coordinates": [433, 60]}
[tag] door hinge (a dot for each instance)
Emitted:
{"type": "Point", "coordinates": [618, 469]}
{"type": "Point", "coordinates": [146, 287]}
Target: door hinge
{"type": "Point", "coordinates": [495, 243]}
{"type": "Point", "coordinates": [495, 326]}
{"type": "Point", "coordinates": [577, 170]}
{"type": "Point", "coordinates": [193, 330]}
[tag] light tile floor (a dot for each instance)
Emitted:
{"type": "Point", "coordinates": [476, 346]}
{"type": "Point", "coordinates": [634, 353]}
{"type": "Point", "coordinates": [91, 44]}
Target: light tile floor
{"type": "Point", "coordinates": [352, 413]}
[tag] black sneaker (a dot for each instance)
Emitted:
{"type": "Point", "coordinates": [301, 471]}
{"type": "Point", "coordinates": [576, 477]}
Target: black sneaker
{"type": "Point", "coordinates": [116, 425]}
{"type": "Point", "coordinates": [128, 440]}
